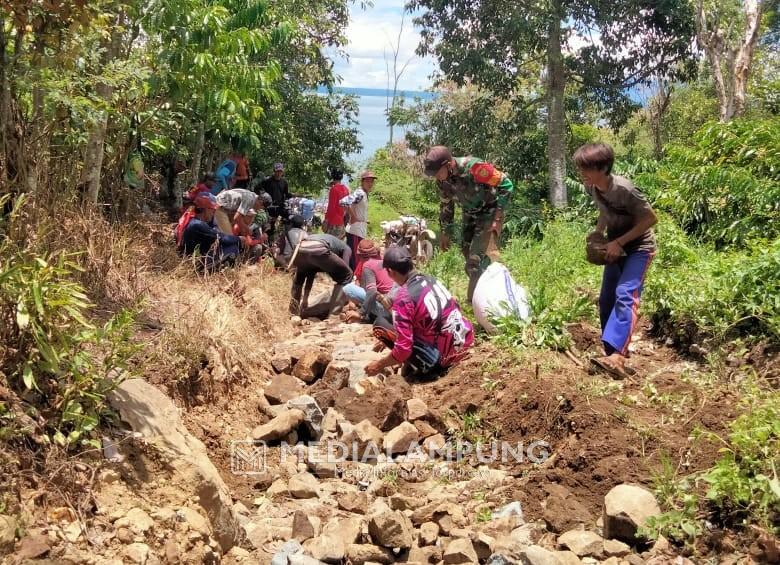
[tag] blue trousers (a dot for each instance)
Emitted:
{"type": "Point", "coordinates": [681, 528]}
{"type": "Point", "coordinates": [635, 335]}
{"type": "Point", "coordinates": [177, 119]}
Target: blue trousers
{"type": "Point", "coordinates": [621, 287]}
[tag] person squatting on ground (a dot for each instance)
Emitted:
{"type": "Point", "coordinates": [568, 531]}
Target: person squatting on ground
{"type": "Point", "coordinates": [428, 332]}
{"type": "Point", "coordinates": [628, 250]}
{"type": "Point", "coordinates": [197, 235]}
{"type": "Point", "coordinates": [312, 254]}
{"type": "Point", "coordinates": [252, 229]}
{"type": "Point", "coordinates": [237, 206]}
{"type": "Point", "coordinates": [357, 202]}
{"type": "Point", "coordinates": [334, 214]}
{"type": "Point", "coordinates": [374, 293]}
{"type": "Point", "coordinates": [483, 193]}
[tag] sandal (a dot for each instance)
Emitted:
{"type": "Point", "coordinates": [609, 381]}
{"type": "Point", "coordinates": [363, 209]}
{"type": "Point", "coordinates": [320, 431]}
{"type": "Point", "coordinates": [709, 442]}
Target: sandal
{"type": "Point", "coordinates": [605, 365]}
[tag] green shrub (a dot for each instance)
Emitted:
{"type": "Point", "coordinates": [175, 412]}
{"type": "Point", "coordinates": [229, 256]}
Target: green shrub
{"type": "Point", "coordinates": [49, 349]}
{"type": "Point", "coordinates": [695, 293]}
{"type": "Point", "coordinates": [725, 187]}
{"type": "Point", "coordinates": [741, 489]}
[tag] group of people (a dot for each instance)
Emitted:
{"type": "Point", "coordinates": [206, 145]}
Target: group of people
{"type": "Point", "coordinates": [413, 314]}
{"type": "Point", "coordinates": [227, 216]}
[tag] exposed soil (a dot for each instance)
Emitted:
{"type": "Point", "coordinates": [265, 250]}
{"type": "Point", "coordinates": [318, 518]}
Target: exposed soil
{"type": "Point", "coordinates": [601, 432]}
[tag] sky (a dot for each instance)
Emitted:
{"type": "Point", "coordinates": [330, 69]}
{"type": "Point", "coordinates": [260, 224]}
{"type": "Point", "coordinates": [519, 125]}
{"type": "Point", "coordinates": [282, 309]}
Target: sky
{"type": "Point", "coordinates": [369, 32]}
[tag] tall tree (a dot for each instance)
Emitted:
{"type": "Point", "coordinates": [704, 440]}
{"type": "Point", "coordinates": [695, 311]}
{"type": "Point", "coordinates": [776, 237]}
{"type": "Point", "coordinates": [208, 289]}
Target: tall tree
{"type": "Point", "coordinates": [728, 31]}
{"type": "Point", "coordinates": [494, 43]}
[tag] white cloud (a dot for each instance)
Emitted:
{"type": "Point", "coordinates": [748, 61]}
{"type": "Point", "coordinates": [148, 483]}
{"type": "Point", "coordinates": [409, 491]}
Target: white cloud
{"type": "Point", "coordinates": [371, 33]}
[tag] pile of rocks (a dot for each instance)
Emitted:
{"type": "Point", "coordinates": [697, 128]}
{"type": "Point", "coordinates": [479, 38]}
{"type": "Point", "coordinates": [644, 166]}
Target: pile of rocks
{"type": "Point", "coordinates": [331, 521]}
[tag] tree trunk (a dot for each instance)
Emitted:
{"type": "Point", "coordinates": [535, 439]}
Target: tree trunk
{"type": "Point", "coordinates": [197, 152]}
{"type": "Point", "coordinates": [736, 60]}
{"type": "Point", "coordinates": [91, 174]}
{"type": "Point", "coordinates": [656, 110]}
{"type": "Point", "coordinates": [556, 119]}
{"type": "Point", "coordinates": [744, 59]}
{"type": "Point", "coordinates": [93, 158]}
{"type": "Point", "coordinates": [5, 109]}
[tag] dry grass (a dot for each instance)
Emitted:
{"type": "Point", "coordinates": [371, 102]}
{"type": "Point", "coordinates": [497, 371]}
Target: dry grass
{"type": "Point", "coordinates": [227, 321]}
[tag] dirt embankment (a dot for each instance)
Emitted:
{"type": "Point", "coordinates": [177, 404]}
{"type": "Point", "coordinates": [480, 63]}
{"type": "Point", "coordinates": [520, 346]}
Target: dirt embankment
{"type": "Point", "coordinates": [224, 350]}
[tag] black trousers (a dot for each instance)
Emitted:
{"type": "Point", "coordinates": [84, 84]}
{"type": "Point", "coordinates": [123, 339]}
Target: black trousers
{"type": "Point", "coordinates": [311, 261]}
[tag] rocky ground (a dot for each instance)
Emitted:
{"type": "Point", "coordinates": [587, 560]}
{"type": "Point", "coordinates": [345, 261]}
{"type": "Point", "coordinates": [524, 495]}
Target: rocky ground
{"type": "Point", "coordinates": [184, 478]}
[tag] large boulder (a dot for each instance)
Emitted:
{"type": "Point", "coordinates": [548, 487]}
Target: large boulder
{"type": "Point", "coordinates": [582, 542]}
{"type": "Point", "coordinates": [400, 438]}
{"type": "Point", "coordinates": [347, 530]}
{"type": "Point", "coordinates": [327, 548]}
{"type": "Point", "coordinates": [626, 509]}
{"type": "Point", "coordinates": [279, 427]}
{"type": "Point", "coordinates": [355, 502]}
{"type": "Point", "coordinates": [417, 409]}
{"type": "Point", "coordinates": [283, 388]}
{"type": "Point", "coordinates": [336, 375]}
{"type": "Point", "coordinates": [305, 526]}
{"type": "Point", "coordinates": [311, 364]}
{"type": "Point", "coordinates": [312, 414]}
{"type": "Point", "coordinates": [429, 533]}
{"type": "Point", "coordinates": [460, 551]}
{"type": "Point", "coordinates": [304, 485]}
{"type": "Point", "coordinates": [367, 553]}
{"type": "Point", "coordinates": [364, 440]}
{"type": "Point", "coordinates": [391, 529]}
{"type": "Point", "coordinates": [535, 555]}
{"type": "Point", "coordinates": [152, 414]}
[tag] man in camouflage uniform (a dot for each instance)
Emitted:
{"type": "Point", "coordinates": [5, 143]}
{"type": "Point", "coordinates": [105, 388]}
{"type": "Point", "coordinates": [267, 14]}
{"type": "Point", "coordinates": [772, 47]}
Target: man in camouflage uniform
{"type": "Point", "coordinates": [483, 193]}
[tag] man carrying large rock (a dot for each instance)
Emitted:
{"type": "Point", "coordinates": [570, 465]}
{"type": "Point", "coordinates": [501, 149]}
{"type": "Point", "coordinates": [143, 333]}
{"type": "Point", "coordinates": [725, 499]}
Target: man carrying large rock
{"type": "Point", "coordinates": [483, 193]}
{"type": "Point", "coordinates": [428, 332]}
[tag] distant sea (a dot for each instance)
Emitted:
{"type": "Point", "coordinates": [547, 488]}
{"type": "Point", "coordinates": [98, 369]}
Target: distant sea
{"type": "Point", "coordinates": [373, 131]}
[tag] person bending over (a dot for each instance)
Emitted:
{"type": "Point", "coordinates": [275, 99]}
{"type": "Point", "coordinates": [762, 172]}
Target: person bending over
{"type": "Point", "coordinates": [312, 254]}
{"type": "Point", "coordinates": [197, 235]}
{"type": "Point", "coordinates": [428, 332]}
{"type": "Point", "coordinates": [483, 193]}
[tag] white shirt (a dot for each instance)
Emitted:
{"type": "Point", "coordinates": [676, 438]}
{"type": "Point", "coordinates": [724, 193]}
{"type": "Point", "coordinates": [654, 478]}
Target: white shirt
{"type": "Point", "coordinates": [358, 208]}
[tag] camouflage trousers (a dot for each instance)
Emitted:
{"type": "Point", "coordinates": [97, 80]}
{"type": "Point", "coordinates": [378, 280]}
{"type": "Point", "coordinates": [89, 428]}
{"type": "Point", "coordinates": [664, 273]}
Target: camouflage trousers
{"type": "Point", "coordinates": [479, 246]}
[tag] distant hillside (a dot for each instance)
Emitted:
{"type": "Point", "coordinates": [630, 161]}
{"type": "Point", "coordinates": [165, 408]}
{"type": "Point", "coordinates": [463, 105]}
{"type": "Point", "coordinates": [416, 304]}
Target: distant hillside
{"type": "Point", "coordinates": [425, 95]}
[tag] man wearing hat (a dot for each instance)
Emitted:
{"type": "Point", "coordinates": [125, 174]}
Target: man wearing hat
{"type": "Point", "coordinates": [357, 202]}
{"type": "Point", "coordinates": [428, 332]}
{"type": "Point", "coordinates": [197, 233]}
{"type": "Point", "coordinates": [483, 193]}
{"type": "Point", "coordinates": [276, 186]}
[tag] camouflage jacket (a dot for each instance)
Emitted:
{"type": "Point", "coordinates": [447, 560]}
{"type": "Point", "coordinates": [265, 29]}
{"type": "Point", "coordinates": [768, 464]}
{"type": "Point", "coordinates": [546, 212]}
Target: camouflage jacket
{"type": "Point", "coordinates": [477, 186]}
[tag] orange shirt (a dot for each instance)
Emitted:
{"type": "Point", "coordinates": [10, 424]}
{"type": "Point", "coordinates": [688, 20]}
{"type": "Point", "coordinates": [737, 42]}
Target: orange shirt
{"type": "Point", "coordinates": [242, 168]}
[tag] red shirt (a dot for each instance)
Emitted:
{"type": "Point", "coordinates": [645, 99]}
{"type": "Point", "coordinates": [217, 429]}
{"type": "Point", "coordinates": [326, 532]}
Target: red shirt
{"type": "Point", "coordinates": [334, 216]}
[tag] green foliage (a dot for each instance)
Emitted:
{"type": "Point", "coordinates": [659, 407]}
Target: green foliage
{"type": "Point", "coordinates": [547, 328]}
{"type": "Point", "coordinates": [725, 188]}
{"type": "Point", "coordinates": [745, 479]}
{"type": "Point", "coordinates": [690, 108]}
{"type": "Point", "coordinates": [695, 293]}
{"type": "Point", "coordinates": [51, 349]}
{"type": "Point", "coordinates": [741, 489]}
{"type": "Point", "coordinates": [679, 522]}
